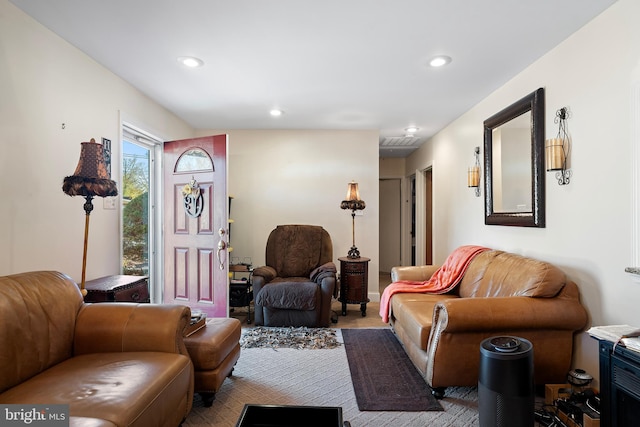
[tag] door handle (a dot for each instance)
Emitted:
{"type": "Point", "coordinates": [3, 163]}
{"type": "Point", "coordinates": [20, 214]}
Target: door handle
{"type": "Point", "coordinates": [221, 247]}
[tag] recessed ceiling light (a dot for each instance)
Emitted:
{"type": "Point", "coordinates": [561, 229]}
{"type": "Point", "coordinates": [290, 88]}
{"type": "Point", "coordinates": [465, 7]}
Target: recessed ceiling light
{"type": "Point", "coordinates": [275, 112]}
{"type": "Point", "coordinates": [190, 61]}
{"type": "Point", "coordinates": [439, 61]}
{"type": "Point", "coordinates": [411, 129]}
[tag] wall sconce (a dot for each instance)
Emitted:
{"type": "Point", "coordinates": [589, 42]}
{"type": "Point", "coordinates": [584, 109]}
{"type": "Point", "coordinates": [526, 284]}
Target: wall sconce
{"type": "Point", "coordinates": [473, 174]}
{"type": "Point", "coordinates": [557, 149]}
{"type": "Point", "coordinates": [354, 203]}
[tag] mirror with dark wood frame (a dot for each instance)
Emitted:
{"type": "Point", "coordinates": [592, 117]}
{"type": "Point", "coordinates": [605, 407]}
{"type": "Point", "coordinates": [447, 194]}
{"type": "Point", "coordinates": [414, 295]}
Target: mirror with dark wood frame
{"type": "Point", "coordinates": [514, 164]}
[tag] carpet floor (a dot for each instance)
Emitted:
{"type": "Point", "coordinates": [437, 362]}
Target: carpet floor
{"type": "Point", "coordinates": [317, 378]}
{"type": "Point", "coordinates": [383, 377]}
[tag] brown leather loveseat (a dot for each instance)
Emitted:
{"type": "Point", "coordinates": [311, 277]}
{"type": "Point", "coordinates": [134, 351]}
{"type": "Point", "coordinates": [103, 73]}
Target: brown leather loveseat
{"type": "Point", "coordinates": [114, 364]}
{"type": "Point", "coordinates": [500, 294]}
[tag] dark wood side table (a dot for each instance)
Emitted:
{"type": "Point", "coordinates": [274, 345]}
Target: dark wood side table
{"type": "Point", "coordinates": [118, 288]}
{"type": "Point", "coordinates": [354, 283]}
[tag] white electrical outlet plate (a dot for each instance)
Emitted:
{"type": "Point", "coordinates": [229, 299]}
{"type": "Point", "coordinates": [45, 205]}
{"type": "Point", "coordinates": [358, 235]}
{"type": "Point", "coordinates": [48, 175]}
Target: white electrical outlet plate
{"type": "Point", "coordinates": [109, 203]}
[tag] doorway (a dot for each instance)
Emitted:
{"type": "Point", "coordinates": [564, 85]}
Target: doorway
{"type": "Point", "coordinates": [196, 225]}
{"type": "Point", "coordinates": [390, 224]}
{"type": "Point", "coordinates": [421, 211]}
{"type": "Point", "coordinates": [139, 218]}
{"type": "Point", "coordinates": [428, 201]}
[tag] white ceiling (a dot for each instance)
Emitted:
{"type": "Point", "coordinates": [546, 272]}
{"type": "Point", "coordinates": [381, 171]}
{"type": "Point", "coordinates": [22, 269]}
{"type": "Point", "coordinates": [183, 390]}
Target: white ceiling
{"type": "Point", "coordinates": [331, 64]}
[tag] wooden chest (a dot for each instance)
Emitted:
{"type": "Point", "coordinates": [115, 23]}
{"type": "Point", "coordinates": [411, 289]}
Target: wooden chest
{"type": "Point", "coordinates": [118, 288]}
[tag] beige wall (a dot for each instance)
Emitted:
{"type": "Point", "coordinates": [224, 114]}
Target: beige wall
{"type": "Point", "coordinates": [45, 82]}
{"type": "Point", "coordinates": [300, 177]}
{"type": "Point", "coordinates": [588, 232]}
{"type": "Point", "coordinates": [391, 167]}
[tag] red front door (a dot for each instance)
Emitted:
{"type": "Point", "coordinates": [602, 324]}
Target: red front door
{"type": "Point", "coordinates": [196, 224]}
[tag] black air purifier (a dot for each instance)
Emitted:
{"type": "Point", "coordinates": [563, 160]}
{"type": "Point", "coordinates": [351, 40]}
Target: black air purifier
{"type": "Point", "coordinates": [506, 392]}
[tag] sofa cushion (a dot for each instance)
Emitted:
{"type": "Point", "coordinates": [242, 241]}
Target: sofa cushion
{"type": "Point", "coordinates": [294, 294]}
{"type": "Point", "coordinates": [117, 387]}
{"type": "Point", "coordinates": [503, 274]}
{"type": "Point", "coordinates": [415, 313]}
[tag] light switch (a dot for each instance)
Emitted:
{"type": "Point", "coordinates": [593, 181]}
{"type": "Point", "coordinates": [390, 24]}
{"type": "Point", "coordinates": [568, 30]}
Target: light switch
{"type": "Point", "coordinates": [109, 202]}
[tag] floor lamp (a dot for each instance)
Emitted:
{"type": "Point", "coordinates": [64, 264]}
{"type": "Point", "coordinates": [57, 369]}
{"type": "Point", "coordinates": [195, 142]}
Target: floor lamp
{"type": "Point", "coordinates": [89, 180]}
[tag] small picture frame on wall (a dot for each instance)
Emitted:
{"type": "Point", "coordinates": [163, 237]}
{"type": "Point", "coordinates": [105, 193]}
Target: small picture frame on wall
{"type": "Point", "coordinates": [106, 152]}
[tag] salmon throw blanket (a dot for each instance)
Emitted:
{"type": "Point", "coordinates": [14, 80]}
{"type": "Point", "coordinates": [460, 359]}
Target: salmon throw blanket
{"type": "Point", "coordinates": [443, 280]}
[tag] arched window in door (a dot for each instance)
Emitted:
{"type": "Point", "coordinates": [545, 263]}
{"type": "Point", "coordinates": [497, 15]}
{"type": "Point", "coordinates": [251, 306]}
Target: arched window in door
{"type": "Point", "coordinates": [194, 159]}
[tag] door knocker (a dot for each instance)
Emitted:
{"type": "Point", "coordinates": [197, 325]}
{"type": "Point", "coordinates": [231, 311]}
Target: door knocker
{"type": "Point", "coordinates": [193, 199]}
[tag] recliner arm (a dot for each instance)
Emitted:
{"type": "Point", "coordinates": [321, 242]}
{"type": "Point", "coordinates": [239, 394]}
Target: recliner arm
{"type": "Point", "coordinates": [327, 287]}
{"type": "Point", "coordinates": [325, 270]}
{"type": "Point", "coordinates": [261, 276]}
{"type": "Point", "coordinates": [265, 272]}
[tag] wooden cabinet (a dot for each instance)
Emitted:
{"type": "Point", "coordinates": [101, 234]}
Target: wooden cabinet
{"type": "Point", "coordinates": [118, 288]}
{"type": "Point", "coordinates": [619, 385]}
{"type": "Point", "coordinates": [354, 283]}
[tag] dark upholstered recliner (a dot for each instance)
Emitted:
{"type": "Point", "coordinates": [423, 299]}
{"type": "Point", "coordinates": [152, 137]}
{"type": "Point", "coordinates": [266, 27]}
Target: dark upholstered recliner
{"type": "Point", "coordinates": [297, 283]}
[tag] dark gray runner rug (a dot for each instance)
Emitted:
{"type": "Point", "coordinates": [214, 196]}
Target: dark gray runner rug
{"type": "Point", "coordinates": [384, 379]}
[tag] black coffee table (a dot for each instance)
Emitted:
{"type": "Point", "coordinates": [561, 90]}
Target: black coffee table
{"type": "Point", "coordinates": [291, 416]}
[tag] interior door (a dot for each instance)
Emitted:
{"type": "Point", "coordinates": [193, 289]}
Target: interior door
{"type": "Point", "coordinates": [196, 224]}
{"type": "Point", "coordinates": [428, 201]}
{"type": "Point", "coordinates": [390, 225]}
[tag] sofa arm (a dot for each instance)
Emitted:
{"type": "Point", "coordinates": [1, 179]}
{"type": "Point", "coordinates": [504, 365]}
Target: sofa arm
{"type": "Point", "coordinates": [460, 325]}
{"type": "Point", "coordinates": [123, 327]}
{"type": "Point", "coordinates": [418, 273]}
{"type": "Point", "coordinates": [508, 313]}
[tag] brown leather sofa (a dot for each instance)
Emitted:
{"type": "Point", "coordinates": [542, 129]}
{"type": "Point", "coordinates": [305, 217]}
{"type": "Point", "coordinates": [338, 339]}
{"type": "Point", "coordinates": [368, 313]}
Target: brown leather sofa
{"type": "Point", "coordinates": [297, 283]}
{"type": "Point", "coordinates": [500, 294]}
{"type": "Point", "coordinates": [114, 364]}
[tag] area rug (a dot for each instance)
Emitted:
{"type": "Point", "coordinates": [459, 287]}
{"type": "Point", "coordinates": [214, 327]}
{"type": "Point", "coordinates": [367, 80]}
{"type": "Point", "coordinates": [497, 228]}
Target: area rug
{"type": "Point", "coordinates": [316, 378]}
{"type": "Point", "coordinates": [299, 338]}
{"type": "Point", "coordinates": [384, 379]}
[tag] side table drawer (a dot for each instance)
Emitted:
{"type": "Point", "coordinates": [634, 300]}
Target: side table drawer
{"type": "Point", "coordinates": [353, 267]}
{"type": "Point", "coordinates": [118, 289]}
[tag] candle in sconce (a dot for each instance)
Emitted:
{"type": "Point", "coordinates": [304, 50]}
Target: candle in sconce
{"type": "Point", "coordinates": [473, 176]}
{"type": "Point", "coordinates": [554, 153]}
